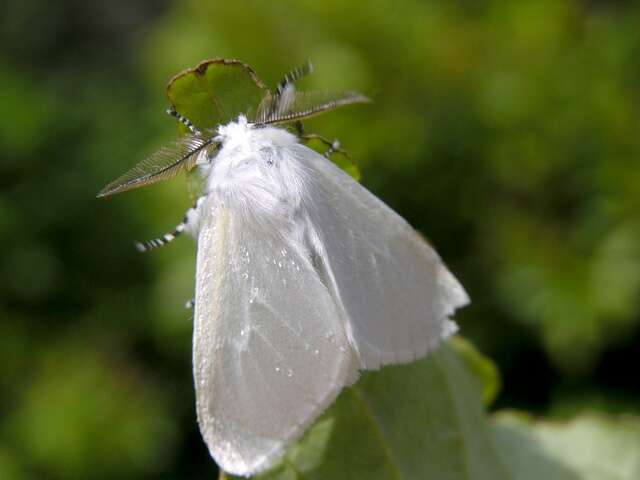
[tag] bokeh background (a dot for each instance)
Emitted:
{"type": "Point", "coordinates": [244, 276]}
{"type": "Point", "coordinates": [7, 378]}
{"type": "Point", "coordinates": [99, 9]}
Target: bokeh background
{"type": "Point", "coordinates": [507, 132]}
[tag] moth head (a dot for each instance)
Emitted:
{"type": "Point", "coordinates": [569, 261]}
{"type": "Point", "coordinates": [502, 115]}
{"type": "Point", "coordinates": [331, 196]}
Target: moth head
{"type": "Point", "coordinates": [200, 146]}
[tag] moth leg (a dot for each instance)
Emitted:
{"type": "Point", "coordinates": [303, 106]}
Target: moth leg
{"type": "Point", "coordinates": [183, 120]}
{"type": "Point", "coordinates": [161, 241]}
{"type": "Point", "coordinates": [299, 129]}
{"type": "Point", "coordinates": [332, 146]}
{"type": "Point", "coordinates": [285, 92]}
{"type": "Point", "coordinates": [190, 217]}
{"type": "Point", "coordinates": [293, 76]}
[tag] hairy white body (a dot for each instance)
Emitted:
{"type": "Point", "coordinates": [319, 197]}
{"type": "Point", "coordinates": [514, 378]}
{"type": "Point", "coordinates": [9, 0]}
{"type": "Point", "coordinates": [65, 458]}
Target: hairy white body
{"type": "Point", "coordinates": [303, 279]}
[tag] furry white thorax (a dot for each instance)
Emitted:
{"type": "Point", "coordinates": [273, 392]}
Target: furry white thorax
{"type": "Point", "coordinates": [255, 171]}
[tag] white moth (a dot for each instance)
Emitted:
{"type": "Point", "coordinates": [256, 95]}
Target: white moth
{"type": "Point", "coordinates": [303, 279]}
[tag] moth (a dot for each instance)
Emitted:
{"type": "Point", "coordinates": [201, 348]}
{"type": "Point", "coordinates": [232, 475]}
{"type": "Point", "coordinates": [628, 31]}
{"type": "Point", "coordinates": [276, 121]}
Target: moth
{"type": "Point", "coordinates": [304, 278]}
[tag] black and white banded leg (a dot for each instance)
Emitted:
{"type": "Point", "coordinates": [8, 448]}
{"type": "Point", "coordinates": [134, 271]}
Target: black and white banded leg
{"type": "Point", "coordinates": [285, 92]}
{"type": "Point", "coordinates": [183, 120]}
{"type": "Point", "coordinates": [170, 237]}
{"type": "Point", "coordinates": [332, 146]}
{"type": "Point", "coordinates": [161, 241]}
{"type": "Point", "coordinates": [293, 76]}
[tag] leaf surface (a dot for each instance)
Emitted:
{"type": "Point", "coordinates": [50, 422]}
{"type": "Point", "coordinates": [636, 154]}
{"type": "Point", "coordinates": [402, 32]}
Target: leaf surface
{"type": "Point", "coordinates": [215, 92]}
{"type": "Point", "coordinates": [588, 447]}
{"type": "Point", "coordinates": [423, 420]}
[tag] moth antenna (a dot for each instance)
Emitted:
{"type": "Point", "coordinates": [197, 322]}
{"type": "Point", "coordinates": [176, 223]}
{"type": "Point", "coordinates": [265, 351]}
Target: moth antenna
{"type": "Point", "coordinates": [184, 120]}
{"type": "Point", "coordinates": [293, 106]}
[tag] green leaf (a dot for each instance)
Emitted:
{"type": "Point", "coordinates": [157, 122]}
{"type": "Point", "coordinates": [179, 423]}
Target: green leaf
{"type": "Point", "coordinates": [588, 447]}
{"type": "Point", "coordinates": [426, 421]}
{"type": "Point", "coordinates": [485, 371]}
{"type": "Point", "coordinates": [418, 421]}
{"type": "Point", "coordinates": [215, 92]}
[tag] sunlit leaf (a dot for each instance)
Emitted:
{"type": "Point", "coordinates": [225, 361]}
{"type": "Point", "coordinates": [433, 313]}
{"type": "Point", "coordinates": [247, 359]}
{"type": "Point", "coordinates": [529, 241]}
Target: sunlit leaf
{"type": "Point", "coordinates": [426, 421]}
{"type": "Point", "coordinates": [481, 367]}
{"type": "Point", "coordinates": [215, 92]}
{"type": "Point", "coordinates": [588, 447]}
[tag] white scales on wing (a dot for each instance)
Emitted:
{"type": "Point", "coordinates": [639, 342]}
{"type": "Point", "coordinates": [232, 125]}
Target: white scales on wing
{"type": "Point", "coordinates": [303, 278]}
{"type": "Point", "coordinates": [270, 349]}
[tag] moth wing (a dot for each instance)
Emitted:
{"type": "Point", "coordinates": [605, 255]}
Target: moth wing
{"type": "Point", "coordinates": [270, 350]}
{"type": "Point", "coordinates": [396, 291]}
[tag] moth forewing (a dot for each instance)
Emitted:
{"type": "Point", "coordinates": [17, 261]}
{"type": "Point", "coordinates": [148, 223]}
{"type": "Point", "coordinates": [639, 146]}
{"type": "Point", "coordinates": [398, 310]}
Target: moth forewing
{"type": "Point", "coordinates": [270, 348]}
{"type": "Point", "coordinates": [397, 293]}
{"type": "Point", "coordinates": [171, 160]}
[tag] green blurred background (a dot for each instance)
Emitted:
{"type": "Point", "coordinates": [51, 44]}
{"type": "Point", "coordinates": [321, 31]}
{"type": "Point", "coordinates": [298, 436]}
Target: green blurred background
{"type": "Point", "coordinates": [507, 132]}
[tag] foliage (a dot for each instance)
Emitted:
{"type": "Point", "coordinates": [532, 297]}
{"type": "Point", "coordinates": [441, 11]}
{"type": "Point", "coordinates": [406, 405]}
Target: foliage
{"type": "Point", "coordinates": [426, 421]}
{"type": "Point", "coordinates": [423, 420]}
{"type": "Point", "coordinates": [504, 131]}
{"type": "Point", "coordinates": [588, 447]}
